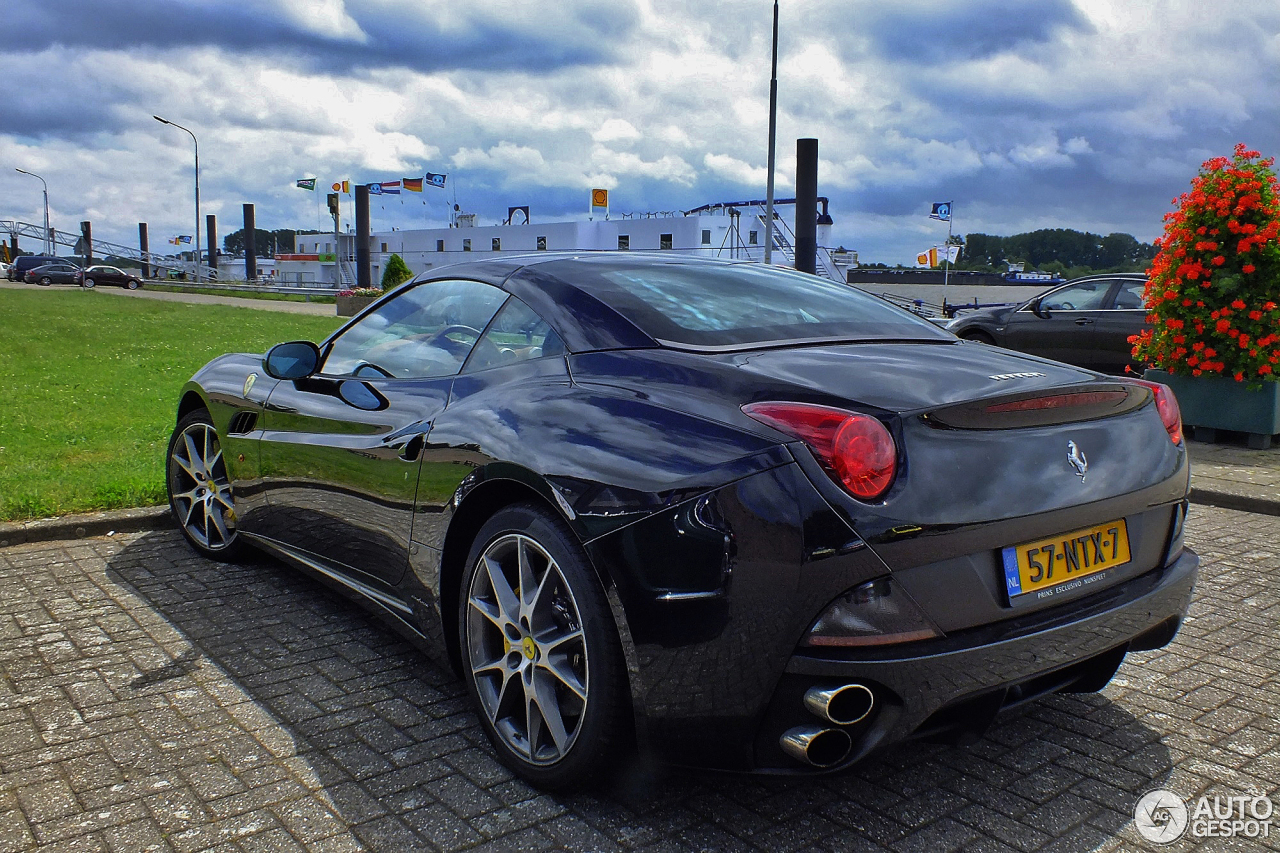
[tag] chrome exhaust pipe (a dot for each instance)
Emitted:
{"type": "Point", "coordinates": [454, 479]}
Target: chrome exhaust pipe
{"type": "Point", "coordinates": [844, 705]}
{"type": "Point", "coordinates": [816, 747]}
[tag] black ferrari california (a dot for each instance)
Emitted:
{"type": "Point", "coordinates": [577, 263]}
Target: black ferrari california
{"type": "Point", "coordinates": [731, 515]}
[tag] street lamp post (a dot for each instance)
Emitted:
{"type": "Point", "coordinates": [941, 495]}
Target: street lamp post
{"type": "Point", "coordinates": [48, 243]}
{"type": "Point", "coordinates": [773, 132]}
{"type": "Point", "coordinates": [197, 146]}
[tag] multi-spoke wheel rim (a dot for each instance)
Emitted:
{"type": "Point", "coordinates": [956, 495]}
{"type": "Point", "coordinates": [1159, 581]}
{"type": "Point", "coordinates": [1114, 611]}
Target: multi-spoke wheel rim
{"type": "Point", "coordinates": [199, 488]}
{"type": "Point", "coordinates": [526, 649]}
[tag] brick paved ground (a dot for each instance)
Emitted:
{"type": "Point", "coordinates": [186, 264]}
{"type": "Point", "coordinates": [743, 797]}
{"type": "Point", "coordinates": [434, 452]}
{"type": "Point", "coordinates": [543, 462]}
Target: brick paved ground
{"type": "Point", "coordinates": [152, 700]}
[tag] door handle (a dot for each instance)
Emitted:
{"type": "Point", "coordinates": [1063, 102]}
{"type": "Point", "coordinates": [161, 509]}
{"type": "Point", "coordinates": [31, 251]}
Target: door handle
{"type": "Point", "coordinates": [1083, 321]}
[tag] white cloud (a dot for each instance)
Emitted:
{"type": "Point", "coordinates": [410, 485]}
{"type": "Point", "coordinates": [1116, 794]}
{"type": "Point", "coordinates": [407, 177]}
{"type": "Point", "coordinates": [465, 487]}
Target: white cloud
{"type": "Point", "coordinates": [616, 130]}
{"type": "Point", "coordinates": [1095, 123]}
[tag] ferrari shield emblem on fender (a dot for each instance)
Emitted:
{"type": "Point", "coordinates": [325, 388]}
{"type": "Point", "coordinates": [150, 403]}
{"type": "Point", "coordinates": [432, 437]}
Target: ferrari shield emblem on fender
{"type": "Point", "coordinates": [248, 383]}
{"type": "Point", "coordinates": [1079, 462]}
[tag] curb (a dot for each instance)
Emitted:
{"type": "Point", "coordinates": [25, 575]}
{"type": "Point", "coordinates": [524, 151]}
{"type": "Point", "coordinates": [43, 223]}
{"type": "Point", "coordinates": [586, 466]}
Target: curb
{"type": "Point", "coordinates": [85, 525]}
{"type": "Point", "coordinates": [1226, 500]}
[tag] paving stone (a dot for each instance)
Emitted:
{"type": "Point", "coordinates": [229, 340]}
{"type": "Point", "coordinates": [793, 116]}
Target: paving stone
{"type": "Point", "coordinates": [135, 715]}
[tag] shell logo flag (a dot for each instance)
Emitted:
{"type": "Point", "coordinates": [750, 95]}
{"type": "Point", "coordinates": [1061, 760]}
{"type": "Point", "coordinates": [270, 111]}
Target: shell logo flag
{"type": "Point", "coordinates": [927, 259]}
{"type": "Point", "coordinates": [599, 198]}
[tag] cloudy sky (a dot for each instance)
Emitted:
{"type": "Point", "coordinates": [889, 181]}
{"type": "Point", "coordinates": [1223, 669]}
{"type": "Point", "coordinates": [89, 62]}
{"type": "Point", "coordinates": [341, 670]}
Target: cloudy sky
{"type": "Point", "coordinates": [1086, 114]}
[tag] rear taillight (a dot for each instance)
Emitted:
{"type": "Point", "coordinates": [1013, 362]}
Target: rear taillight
{"type": "Point", "coordinates": [857, 451]}
{"type": "Point", "coordinates": [1167, 406]}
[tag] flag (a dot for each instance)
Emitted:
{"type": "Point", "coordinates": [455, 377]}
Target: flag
{"type": "Point", "coordinates": [391, 188]}
{"type": "Point", "coordinates": [185, 238]}
{"type": "Point", "coordinates": [173, 240]}
{"type": "Point", "coordinates": [375, 189]}
{"type": "Point", "coordinates": [337, 186]}
{"type": "Point", "coordinates": [927, 259]}
{"type": "Point", "coordinates": [941, 211]}
{"type": "Point", "coordinates": [436, 180]}
{"type": "Point", "coordinates": [307, 184]}
{"type": "Point", "coordinates": [950, 253]}
{"type": "Point", "coordinates": [413, 185]}
{"type": "Point", "coordinates": [599, 198]}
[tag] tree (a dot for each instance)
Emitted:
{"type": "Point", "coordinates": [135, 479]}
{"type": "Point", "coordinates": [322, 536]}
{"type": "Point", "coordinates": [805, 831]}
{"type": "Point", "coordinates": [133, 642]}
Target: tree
{"type": "Point", "coordinates": [265, 243]}
{"type": "Point", "coordinates": [395, 272]}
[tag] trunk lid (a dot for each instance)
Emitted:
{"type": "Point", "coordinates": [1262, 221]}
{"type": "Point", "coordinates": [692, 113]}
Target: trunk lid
{"type": "Point", "coordinates": [908, 377]}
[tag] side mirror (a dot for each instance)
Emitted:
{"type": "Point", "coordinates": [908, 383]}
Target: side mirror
{"type": "Point", "coordinates": [294, 360]}
{"type": "Point", "coordinates": [1037, 310]}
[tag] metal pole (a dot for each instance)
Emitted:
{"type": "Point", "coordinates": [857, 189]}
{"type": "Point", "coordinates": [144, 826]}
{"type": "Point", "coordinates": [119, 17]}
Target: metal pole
{"type": "Point", "coordinates": [197, 146]}
{"type": "Point", "coordinates": [773, 132]}
{"type": "Point", "coordinates": [946, 270]}
{"type": "Point", "coordinates": [48, 236]}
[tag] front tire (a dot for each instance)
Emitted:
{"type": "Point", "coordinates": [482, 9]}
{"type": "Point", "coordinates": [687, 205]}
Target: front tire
{"type": "Point", "coordinates": [980, 337]}
{"type": "Point", "coordinates": [89, 283]}
{"type": "Point", "coordinates": [540, 651]}
{"type": "Point", "coordinates": [132, 284]}
{"type": "Point", "coordinates": [199, 489]}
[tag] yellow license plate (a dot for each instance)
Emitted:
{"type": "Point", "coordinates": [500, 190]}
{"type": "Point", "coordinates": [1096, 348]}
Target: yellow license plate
{"type": "Point", "coordinates": [1065, 562]}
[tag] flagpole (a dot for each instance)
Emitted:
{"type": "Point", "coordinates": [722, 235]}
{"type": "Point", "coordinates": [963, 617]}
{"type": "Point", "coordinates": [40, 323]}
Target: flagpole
{"type": "Point", "coordinates": [946, 271]}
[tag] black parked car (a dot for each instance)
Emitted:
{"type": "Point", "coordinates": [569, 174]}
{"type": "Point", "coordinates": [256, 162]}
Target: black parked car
{"type": "Point", "coordinates": [57, 273]}
{"type": "Point", "coordinates": [101, 274]}
{"type": "Point", "coordinates": [745, 517]}
{"type": "Point", "coordinates": [1086, 322]}
{"type": "Point", "coordinates": [24, 263]}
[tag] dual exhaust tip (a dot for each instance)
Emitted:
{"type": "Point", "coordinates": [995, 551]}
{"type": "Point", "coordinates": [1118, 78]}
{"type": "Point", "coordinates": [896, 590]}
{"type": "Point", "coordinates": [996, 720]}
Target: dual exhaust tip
{"type": "Point", "coordinates": [819, 746]}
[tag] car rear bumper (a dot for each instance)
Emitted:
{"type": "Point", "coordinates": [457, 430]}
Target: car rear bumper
{"type": "Point", "coordinates": [953, 687]}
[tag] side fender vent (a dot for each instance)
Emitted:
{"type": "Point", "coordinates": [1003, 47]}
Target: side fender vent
{"type": "Point", "coordinates": [243, 422]}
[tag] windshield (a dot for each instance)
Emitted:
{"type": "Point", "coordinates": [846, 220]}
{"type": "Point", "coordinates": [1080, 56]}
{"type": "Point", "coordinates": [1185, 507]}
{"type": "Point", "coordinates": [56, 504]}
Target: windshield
{"type": "Point", "coordinates": [727, 305]}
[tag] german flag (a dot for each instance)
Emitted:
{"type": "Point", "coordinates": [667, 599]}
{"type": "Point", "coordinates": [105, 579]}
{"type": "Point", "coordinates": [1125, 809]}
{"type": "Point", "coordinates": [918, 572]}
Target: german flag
{"type": "Point", "coordinates": [413, 185]}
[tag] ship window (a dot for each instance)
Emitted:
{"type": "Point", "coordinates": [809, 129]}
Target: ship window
{"type": "Point", "coordinates": [439, 245]}
{"type": "Point", "coordinates": [466, 244]}
{"type": "Point", "coordinates": [542, 244]}
{"type": "Point", "coordinates": [706, 236]}
{"type": "Point", "coordinates": [664, 241]}
{"type": "Point", "coordinates": [497, 244]}
{"type": "Point", "coordinates": [752, 237]}
{"type": "Point", "coordinates": [624, 241]}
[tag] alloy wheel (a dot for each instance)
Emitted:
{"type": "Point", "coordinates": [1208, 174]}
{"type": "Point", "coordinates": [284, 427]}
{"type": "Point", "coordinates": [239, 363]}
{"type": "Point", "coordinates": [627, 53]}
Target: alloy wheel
{"type": "Point", "coordinates": [199, 488]}
{"type": "Point", "coordinates": [526, 649]}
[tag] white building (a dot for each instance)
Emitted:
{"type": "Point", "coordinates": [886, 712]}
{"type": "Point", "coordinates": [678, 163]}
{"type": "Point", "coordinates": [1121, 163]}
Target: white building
{"type": "Point", "coordinates": [734, 230]}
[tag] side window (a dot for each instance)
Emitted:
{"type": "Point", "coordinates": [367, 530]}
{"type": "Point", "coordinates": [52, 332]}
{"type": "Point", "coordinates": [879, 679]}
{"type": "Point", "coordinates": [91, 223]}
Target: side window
{"type": "Point", "coordinates": [427, 330]}
{"type": "Point", "coordinates": [1085, 296]}
{"type": "Point", "coordinates": [516, 334]}
{"type": "Point", "coordinates": [1130, 295]}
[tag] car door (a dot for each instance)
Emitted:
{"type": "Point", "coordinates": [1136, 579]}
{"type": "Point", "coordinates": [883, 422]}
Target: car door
{"type": "Point", "coordinates": [1124, 316]}
{"type": "Point", "coordinates": [341, 450]}
{"type": "Point", "coordinates": [1063, 327]}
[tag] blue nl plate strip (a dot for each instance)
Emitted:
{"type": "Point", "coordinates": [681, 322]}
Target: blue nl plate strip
{"type": "Point", "coordinates": [1011, 577]}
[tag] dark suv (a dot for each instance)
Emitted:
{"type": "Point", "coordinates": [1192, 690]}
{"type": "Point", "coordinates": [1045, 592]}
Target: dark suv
{"type": "Point", "coordinates": [23, 263]}
{"type": "Point", "coordinates": [1086, 322]}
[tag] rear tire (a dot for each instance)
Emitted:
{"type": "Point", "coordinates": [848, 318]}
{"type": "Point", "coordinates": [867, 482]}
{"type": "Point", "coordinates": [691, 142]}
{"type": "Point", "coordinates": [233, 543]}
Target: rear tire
{"type": "Point", "coordinates": [89, 283]}
{"type": "Point", "coordinates": [540, 651]}
{"type": "Point", "coordinates": [200, 495]}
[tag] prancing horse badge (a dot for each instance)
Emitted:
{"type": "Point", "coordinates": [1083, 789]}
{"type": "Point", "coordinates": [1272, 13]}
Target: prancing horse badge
{"type": "Point", "coordinates": [1079, 463]}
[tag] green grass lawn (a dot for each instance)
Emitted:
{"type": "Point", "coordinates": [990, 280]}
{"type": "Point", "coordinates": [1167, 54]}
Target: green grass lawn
{"type": "Point", "coordinates": [89, 386]}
